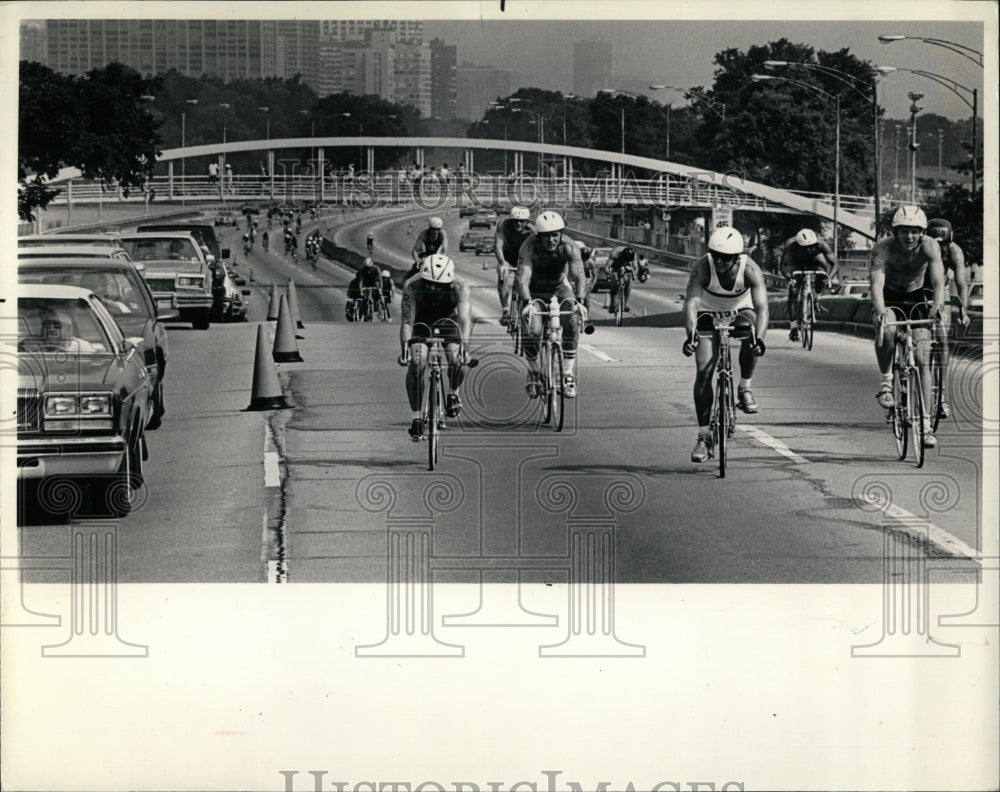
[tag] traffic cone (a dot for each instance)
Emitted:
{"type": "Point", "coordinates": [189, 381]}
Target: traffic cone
{"type": "Point", "coordinates": [272, 303]}
{"type": "Point", "coordinates": [293, 303]}
{"type": "Point", "coordinates": [285, 349]}
{"type": "Point", "coordinates": [267, 394]}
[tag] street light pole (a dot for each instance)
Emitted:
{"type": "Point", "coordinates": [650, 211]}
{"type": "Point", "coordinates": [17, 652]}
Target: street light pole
{"type": "Point", "coordinates": [914, 109]}
{"type": "Point", "coordinates": [961, 49]}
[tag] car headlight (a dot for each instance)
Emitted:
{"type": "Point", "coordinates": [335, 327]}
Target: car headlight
{"type": "Point", "coordinates": [78, 404]}
{"type": "Point", "coordinates": [191, 280]}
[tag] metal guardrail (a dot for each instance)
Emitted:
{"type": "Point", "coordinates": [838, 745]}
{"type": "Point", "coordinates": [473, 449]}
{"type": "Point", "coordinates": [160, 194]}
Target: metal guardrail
{"type": "Point", "coordinates": [388, 187]}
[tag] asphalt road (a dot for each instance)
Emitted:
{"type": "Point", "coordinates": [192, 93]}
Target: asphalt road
{"type": "Point", "coordinates": [310, 494]}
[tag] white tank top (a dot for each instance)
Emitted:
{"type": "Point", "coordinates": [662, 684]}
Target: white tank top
{"type": "Point", "coordinates": [716, 299]}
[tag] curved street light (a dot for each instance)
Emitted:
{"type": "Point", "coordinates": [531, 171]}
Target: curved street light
{"type": "Point", "coordinates": [836, 167]}
{"type": "Point", "coordinates": [954, 46]}
{"type": "Point", "coordinates": [955, 88]}
{"type": "Point", "coordinates": [851, 82]}
{"type": "Point", "coordinates": [719, 108]}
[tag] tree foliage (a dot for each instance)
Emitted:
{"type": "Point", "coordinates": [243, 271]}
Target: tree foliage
{"type": "Point", "coordinates": [96, 123]}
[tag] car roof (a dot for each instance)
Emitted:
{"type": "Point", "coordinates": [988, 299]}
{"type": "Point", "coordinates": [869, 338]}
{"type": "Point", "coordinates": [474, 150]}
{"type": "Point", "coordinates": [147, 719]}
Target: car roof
{"type": "Point", "coordinates": [87, 250]}
{"type": "Point", "coordinates": [69, 262]}
{"type": "Point", "coordinates": [161, 235]}
{"type": "Point", "coordinates": [52, 291]}
{"type": "Point", "coordinates": [69, 239]}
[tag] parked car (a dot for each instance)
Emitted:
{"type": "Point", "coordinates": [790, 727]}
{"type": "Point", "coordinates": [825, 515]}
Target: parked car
{"type": "Point", "coordinates": [476, 240]}
{"type": "Point", "coordinates": [853, 290]}
{"type": "Point", "coordinates": [228, 304]}
{"type": "Point", "coordinates": [225, 219]}
{"type": "Point", "coordinates": [483, 218]}
{"type": "Point", "coordinates": [976, 297]}
{"type": "Point", "coordinates": [83, 395]}
{"type": "Point", "coordinates": [128, 299]}
{"type": "Point", "coordinates": [599, 258]}
{"type": "Point", "coordinates": [176, 267]}
{"type": "Point", "coordinates": [467, 211]}
{"type": "Point", "coordinates": [250, 209]}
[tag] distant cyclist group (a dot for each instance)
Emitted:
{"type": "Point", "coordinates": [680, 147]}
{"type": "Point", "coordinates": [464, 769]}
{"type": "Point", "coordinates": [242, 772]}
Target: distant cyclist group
{"type": "Point", "coordinates": [544, 278]}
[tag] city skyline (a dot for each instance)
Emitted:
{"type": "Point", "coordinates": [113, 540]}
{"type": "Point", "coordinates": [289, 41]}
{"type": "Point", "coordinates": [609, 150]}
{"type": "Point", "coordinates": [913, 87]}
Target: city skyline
{"type": "Point", "coordinates": [640, 58]}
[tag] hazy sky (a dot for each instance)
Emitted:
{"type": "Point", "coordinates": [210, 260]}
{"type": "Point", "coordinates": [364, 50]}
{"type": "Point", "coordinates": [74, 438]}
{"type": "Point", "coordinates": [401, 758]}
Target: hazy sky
{"type": "Point", "coordinates": [681, 53]}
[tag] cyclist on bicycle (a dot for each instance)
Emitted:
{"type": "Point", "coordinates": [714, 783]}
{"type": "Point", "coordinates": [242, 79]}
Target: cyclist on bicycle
{"type": "Point", "coordinates": [246, 245]}
{"type": "Point", "coordinates": [434, 298]}
{"type": "Point", "coordinates": [433, 239]}
{"type": "Point", "coordinates": [265, 241]}
{"type": "Point", "coordinates": [370, 242]}
{"type": "Point", "coordinates": [386, 290]}
{"type": "Point", "coordinates": [621, 260]}
{"type": "Point", "coordinates": [724, 282]}
{"type": "Point", "coordinates": [370, 277]}
{"type": "Point", "coordinates": [899, 266]}
{"type": "Point", "coordinates": [353, 299]}
{"type": "Point", "coordinates": [549, 264]}
{"type": "Point", "coordinates": [953, 260]}
{"type": "Point", "coordinates": [510, 235]}
{"type": "Point", "coordinates": [806, 252]}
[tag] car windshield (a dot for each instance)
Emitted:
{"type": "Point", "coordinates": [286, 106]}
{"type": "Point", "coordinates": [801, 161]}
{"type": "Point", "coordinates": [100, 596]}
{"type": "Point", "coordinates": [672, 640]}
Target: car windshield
{"type": "Point", "coordinates": [60, 325]}
{"type": "Point", "coordinates": [166, 249]}
{"type": "Point", "coordinates": [119, 290]}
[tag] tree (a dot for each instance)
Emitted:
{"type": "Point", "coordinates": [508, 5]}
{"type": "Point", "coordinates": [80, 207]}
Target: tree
{"type": "Point", "coordinates": [96, 123]}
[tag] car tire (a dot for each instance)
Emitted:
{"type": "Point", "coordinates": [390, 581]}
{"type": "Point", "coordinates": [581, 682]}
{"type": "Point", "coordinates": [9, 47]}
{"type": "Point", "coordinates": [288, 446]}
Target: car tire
{"type": "Point", "coordinates": [202, 319]}
{"type": "Point", "coordinates": [117, 494]}
{"type": "Point", "coordinates": [156, 419]}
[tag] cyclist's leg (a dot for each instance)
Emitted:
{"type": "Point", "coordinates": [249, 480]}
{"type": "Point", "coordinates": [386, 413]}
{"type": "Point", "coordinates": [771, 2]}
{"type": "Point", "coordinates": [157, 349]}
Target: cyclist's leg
{"type": "Point", "coordinates": [884, 351]}
{"type": "Point", "coordinates": [704, 357]}
{"type": "Point", "coordinates": [570, 335]}
{"type": "Point", "coordinates": [942, 332]}
{"type": "Point", "coordinates": [613, 294]}
{"type": "Point", "coordinates": [531, 340]}
{"type": "Point", "coordinates": [415, 377]}
{"type": "Point", "coordinates": [922, 353]}
{"type": "Point", "coordinates": [747, 363]}
{"type": "Point", "coordinates": [792, 303]}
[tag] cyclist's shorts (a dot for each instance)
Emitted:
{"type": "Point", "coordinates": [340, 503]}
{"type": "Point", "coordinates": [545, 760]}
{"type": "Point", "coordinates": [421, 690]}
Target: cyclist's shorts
{"type": "Point", "coordinates": [706, 325]}
{"type": "Point", "coordinates": [445, 329]}
{"type": "Point", "coordinates": [911, 303]}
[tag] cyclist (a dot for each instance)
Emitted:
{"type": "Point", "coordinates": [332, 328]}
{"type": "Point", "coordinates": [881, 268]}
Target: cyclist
{"type": "Point", "coordinates": [369, 277]}
{"type": "Point", "coordinates": [549, 264]}
{"type": "Point", "coordinates": [429, 298]}
{"type": "Point", "coordinates": [293, 244]}
{"type": "Point", "coordinates": [804, 251]}
{"type": "Point", "coordinates": [510, 235]}
{"type": "Point", "coordinates": [265, 241]}
{"type": "Point", "coordinates": [621, 260]}
{"type": "Point", "coordinates": [433, 239]}
{"type": "Point", "coordinates": [246, 244]}
{"type": "Point", "coordinates": [370, 242]}
{"type": "Point", "coordinates": [953, 260]}
{"type": "Point", "coordinates": [386, 290]}
{"type": "Point", "coordinates": [353, 299]}
{"type": "Point", "coordinates": [899, 266]}
{"type": "Point", "coordinates": [724, 282]}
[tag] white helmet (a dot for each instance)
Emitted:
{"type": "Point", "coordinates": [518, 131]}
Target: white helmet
{"type": "Point", "coordinates": [910, 216]}
{"type": "Point", "coordinates": [435, 222]}
{"type": "Point", "coordinates": [727, 241]}
{"type": "Point", "coordinates": [520, 213]}
{"type": "Point", "coordinates": [385, 274]}
{"type": "Point", "coordinates": [806, 238]}
{"type": "Point", "coordinates": [548, 221]}
{"type": "Point", "coordinates": [369, 262]}
{"type": "Point", "coordinates": [438, 268]}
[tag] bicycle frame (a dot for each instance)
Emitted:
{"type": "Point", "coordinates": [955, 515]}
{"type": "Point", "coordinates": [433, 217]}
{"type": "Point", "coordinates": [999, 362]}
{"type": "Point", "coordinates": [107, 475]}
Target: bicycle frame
{"type": "Point", "coordinates": [551, 363]}
{"type": "Point", "coordinates": [807, 307]}
{"type": "Point", "coordinates": [908, 411]}
{"type": "Point", "coordinates": [722, 423]}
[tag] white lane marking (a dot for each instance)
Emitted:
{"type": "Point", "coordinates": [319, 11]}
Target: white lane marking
{"type": "Point", "coordinates": [773, 442]}
{"type": "Point", "coordinates": [264, 538]}
{"type": "Point", "coordinates": [921, 528]}
{"type": "Point", "coordinates": [272, 471]}
{"type": "Point", "coordinates": [597, 353]}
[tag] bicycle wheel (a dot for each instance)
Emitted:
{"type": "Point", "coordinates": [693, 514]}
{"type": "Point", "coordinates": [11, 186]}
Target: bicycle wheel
{"type": "Point", "coordinates": [620, 305]}
{"type": "Point", "coordinates": [722, 396]}
{"type": "Point", "coordinates": [434, 413]}
{"type": "Point", "coordinates": [916, 411]}
{"type": "Point", "coordinates": [556, 396]}
{"type": "Point", "coordinates": [897, 415]}
{"type": "Point", "coordinates": [808, 322]}
{"type": "Point", "coordinates": [544, 365]}
{"type": "Point", "coordinates": [937, 385]}
{"type": "Point", "coordinates": [369, 309]}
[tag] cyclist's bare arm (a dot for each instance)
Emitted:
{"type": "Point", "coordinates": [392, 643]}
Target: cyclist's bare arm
{"type": "Point", "coordinates": [961, 277]}
{"type": "Point", "coordinates": [754, 278]}
{"type": "Point", "coordinates": [935, 273]}
{"type": "Point", "coordinates": [418, 247]}
{"type": "Point", "coordinates": [406, 313]}
{"type": "Point", "coordinates": [444, 242]}
{"type": "Point", "coordinates": [697, 280]}
{"type": "Point", "coordinates": [577, 277]}
{"type": "Point", "coordinates": [498, 248]}
{"type": "Point", "coordinates": [464, 309]}
{"type": "Point", "coordinates": [524, 270]}
{"type": "Point", "coordinates": [876, 279]}
{"type": "Point", "coordinates": [786, 265]}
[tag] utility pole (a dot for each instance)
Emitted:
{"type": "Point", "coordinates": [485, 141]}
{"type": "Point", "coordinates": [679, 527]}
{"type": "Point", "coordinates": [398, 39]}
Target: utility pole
{"type": "Point", "coordinates": [914, 109]}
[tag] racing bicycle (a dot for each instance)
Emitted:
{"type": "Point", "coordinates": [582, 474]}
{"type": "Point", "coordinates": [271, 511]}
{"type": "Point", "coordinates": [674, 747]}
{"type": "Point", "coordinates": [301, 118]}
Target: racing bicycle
{"type": "Point", "coordinates": [551, 364]}
{"type": "Point", "coordinates": [937, 371]}
{"type": "Point", "coordinates": [622, 278]}
{"type": "Point", "coordinates": [807, 307]}
{"type": "Point", "coordinates": [371, 299]}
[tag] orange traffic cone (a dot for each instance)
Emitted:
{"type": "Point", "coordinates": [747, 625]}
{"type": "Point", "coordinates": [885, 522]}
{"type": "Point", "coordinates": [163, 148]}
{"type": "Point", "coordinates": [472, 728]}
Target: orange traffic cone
{"type": "Point", "coordinates": [285, 349]}
{"type": "Point", "coordinates": [267, 393]}
{"type": "Point", "coordinates": [272, 303]}
{"type": "Point", "coordinates": [293, 303]}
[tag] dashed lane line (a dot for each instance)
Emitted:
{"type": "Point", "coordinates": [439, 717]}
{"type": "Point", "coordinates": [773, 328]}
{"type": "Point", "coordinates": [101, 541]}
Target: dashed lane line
{"type": "Point", "coordinates": [597, 353]}
{"type": "Point", "coordinates": [772, 442]}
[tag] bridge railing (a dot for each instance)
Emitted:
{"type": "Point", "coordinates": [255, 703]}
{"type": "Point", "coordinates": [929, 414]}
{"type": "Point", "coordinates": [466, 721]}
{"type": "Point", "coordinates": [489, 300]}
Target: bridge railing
{"type": "Point", "coordinates": [390, 187]}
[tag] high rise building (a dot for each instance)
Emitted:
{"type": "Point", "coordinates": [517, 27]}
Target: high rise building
{"type": "Point", "coordinates": [412, 76]}
{"type": "Point", "coordinates": [591, 67]}
{"type": "Point", "coordinates": [407, 30]}
{"type": "Point", "coordinates": [32, 41]}
{"type": "Point", "coordinates": [228, 49]}
{"type": "Point", "coordinates": [444, 79]}
{"type": "Point", "coordinates": [477, 86]}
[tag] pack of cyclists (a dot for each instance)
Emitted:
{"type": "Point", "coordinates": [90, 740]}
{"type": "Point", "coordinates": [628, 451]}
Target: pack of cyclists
{"type": "Point", "coordinates": [539, 260]}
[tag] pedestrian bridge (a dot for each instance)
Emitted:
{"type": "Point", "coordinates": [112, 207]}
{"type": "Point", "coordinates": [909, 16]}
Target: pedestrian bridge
{"type": "Point", "coordinates": [284, 176]}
